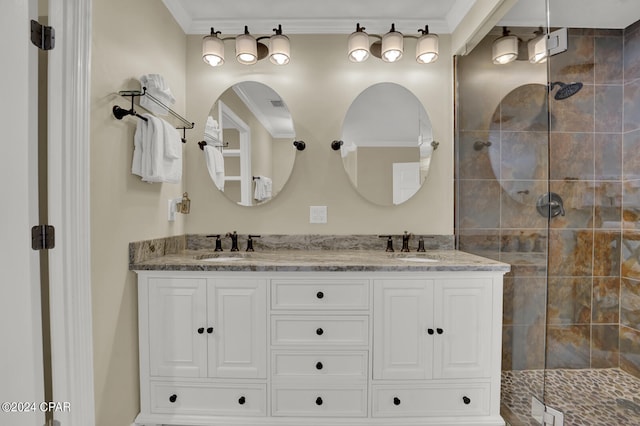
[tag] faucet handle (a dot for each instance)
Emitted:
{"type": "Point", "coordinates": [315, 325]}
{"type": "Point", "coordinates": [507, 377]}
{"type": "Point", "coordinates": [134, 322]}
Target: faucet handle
{"type": "Point", "coordinates": [421, 244]}
{"type": "Point", "coordinates": [405, 241]}
{"type": "Point", "coordinates": [389, 242]}
{"type": "Point", "coordinates": [234, 240]}
{"type": "Point", "coordinates": [218, 242]}
{"type": "Point", "coordinates": [250, 242]}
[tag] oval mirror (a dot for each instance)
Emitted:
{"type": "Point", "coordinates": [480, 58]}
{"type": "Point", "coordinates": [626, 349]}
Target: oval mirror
{"type": "Point", "coordinates": [387, 144]}
{"type": "Point", "coordinates": [248, 143]}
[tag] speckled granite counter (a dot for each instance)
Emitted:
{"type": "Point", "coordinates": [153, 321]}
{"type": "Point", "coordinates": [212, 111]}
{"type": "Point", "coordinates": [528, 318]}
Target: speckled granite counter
{"type": "Point", "coordinates": [319, 260]}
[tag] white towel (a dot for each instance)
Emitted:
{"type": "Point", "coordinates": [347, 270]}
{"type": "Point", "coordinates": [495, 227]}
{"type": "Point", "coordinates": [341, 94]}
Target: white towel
{"type": "Point", "coordinates": [212, 132]}
{"type": "Point", "coordinates": [150, 159]}
{"type": "Point", "coordinates": [157, 88]}
{"type": "Point", "coordinates": [215, 165]}
{"type": "Point", "coordinates": [263, 188]}
{"type": "Point", "coordinates": [346, 148]}
{"type": "Point", "coordinates": [138, 140]}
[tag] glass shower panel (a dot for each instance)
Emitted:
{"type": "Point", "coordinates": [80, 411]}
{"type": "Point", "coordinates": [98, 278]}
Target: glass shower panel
{"type": "Point", "coordinates": [593, 315]}
{"type": "Point", "coordinates": [502, 171]}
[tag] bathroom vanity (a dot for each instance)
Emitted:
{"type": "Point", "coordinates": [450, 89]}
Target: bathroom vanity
{"type": "Point", "coordinates": [320, 338]}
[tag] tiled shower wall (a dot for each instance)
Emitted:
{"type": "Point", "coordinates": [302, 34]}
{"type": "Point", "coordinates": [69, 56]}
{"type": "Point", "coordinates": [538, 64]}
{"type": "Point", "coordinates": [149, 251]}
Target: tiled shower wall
{"type": "Point", "coordinates": [592, 317]}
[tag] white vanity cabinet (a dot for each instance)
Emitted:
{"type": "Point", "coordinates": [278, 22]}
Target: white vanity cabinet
{"type": "Point", "coordinates": [320, 348]}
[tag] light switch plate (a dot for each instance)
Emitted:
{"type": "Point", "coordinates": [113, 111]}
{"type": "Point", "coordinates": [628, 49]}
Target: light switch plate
{"type": "Point", "coordinates": [317, 214]}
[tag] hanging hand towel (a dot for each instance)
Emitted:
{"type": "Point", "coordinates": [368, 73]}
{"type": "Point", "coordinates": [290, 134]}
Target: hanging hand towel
{"type": "Point", "coordinates": [263, 188]}
{"type": "Point", "coordinates": [138, 141]}
{"type": "Point", "coordinates": [215, 165]}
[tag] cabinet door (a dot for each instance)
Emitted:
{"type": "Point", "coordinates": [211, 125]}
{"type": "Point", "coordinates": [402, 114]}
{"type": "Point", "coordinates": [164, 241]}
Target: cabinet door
{"type": "Point", "coordinates": [463, 317]}
{"type": "Point", "coordinates": [237, 312]}
{"type": "Point", "coordinates": [403, 311]}
{"type": "Point", "coordinates": [177, 322]}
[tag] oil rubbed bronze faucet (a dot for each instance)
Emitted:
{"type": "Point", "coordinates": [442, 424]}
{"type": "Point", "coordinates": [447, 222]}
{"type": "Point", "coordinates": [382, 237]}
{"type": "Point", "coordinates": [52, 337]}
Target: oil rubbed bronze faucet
{"type": "Point", "coordinates": [250, 241]}
{"type": "Point", "coordinates": [389, 242]}
{"type": "Point", "coordinates": [405, 242]}
{"type": "Point", "coordinates": [218, 241]}
{"type": "Point", "coordinates": [234, 240]}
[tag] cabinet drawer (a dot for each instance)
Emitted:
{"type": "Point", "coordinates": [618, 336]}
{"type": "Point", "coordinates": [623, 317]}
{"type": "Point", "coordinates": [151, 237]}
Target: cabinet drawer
{"type": "Point", "coordinates": [306, 365]}
{"type": "Point", "coordinates": [432, 400]}
{"type": "Point", "coordinates": [196, 398]}
{"type": "Point", "coordinates": [346, 401]}
{"type": "Point", "coordinates": [332, 294]}
{"type": "Point", "coordinates": [320, 330]}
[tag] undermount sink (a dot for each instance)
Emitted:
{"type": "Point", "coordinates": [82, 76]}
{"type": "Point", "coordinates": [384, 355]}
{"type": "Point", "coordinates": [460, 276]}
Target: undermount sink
{"type": "Point", "coordinates": [417, 259]}
{"type": "Point", "coordinates": [215, 257]}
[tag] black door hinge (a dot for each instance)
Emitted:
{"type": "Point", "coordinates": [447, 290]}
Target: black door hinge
{"type": "Point", "coordinates": [43, 237]}
{"type": "Point", "coordinates": [42, 36]}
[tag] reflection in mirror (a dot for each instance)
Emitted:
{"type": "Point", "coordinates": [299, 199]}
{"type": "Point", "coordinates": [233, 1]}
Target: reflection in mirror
{"type": "Point", "coordinates": [387, 144]}
{"type": "Point", "coordinates": [248, 150]}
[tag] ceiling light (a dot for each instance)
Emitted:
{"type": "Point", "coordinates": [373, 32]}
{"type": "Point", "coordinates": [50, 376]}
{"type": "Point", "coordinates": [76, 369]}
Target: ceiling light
{"type": "Point", "coordinates": [537, 47]}
{"type": "Point", "coordinates": [246, 48]}
{"type": "Point", "coordinates": [358, 45]}
{"type": "Point", "coordinates": [392, 45]}
{"type": "Point", "coordinates": [427, 47]}
{"type": "Point", "coordinates": [505, 48]}
{"type": "Point", "coordinates": [213, 49]}
{"type": "Point", "coordinates": [279, 47]}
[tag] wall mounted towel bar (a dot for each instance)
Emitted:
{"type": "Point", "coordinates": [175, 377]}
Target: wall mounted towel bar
{"type": "Point", "coordinates": [120, 112]}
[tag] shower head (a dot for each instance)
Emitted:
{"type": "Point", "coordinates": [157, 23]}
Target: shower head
{"type": "Point", "coordinates": [566, 90]}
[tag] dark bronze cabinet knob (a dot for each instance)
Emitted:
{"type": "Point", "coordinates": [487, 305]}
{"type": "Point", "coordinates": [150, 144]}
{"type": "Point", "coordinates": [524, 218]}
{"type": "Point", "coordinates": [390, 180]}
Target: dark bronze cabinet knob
{"type": "Point", "coordinates": [319, 295]}
{"type": "Point", "coordinates": [439, 330]}
{"type": "Point", "coordinates": [201, 330]}
{"type": "Point", "coordinates": [319, 331]}
{"type": "Point", "coordinates": [466, 400]}
{"type": "Point", "coordinates": [396, 400]}
{"type": "Point", "coordinates": [319, 401]}
{"type": "Point", "coordinates": [319, 365]}
{"type": "Point", "coordinates": [430, 331]}
{"type": "Point", "coordinates": [173, 398]}
{"type": "Point", "coordinates": [210, 330]}
{"type": "Point", "coordinates": [242, 400]}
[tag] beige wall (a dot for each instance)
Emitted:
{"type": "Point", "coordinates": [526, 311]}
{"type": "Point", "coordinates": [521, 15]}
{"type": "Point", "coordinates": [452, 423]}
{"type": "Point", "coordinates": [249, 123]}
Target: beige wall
{"type": "Point", "coordinates": [130, 38]}
{"type": "Point", "coordinates": [318, 87]}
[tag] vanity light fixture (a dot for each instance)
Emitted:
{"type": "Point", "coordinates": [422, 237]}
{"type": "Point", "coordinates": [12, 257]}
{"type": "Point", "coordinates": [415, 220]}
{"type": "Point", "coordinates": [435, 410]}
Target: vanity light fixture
{"type": "Point", "coordinates": [249, 50]}
{"type": "Point", "coordinates": [537, 47]}
{"type": "Point", "coordinates": [358, 45]}
{"type": "Point", "coordinates": [427, 47]}
{"type": "Point", "coordinates": [505, 48]}
{"type": "Point", "coordinates": [390, 46]}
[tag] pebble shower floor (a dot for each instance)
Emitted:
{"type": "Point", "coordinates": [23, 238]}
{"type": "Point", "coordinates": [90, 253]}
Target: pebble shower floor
{"type": "Point", "coordinates": [588, 397]}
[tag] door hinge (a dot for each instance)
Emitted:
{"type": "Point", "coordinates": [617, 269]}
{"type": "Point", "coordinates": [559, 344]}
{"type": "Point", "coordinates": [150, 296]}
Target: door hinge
{"type": "Point", "coordinates": [43, 237]}
{"type": "Point", "coordinates": [42, 36]}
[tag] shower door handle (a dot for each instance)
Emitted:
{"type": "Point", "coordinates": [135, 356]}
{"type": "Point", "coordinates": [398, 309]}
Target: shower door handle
{"type": "Point", "coordinates": [550, 205]}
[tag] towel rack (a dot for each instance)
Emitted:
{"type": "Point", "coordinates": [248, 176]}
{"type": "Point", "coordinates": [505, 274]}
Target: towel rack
{"type": "Point", "coordinates": [120, 112]}
{"type": "Point", "coordinates": [201, 144]}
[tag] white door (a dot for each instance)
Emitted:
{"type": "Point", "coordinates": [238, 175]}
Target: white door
{"type": "Point", "coordinates": [463, 316]}
{"type": "Point", "coordinates": [237, 311]}
{"type": "Point", "coordinates": [406, 181]}
{"type": "Point", "coordinates": [403, 316]}
{"type": "Point", "coordinates": [177, 327]}
{"type": "Point", "coordinates": [21, 372]}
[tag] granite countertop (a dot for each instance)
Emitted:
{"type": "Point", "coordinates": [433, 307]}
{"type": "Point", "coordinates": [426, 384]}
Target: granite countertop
{"type": "Point", "coordinates": [319, 260]}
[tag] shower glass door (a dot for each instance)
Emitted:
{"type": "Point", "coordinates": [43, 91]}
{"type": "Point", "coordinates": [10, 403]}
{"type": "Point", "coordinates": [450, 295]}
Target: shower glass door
{"type": "Point", "coordinates": [502, 176]}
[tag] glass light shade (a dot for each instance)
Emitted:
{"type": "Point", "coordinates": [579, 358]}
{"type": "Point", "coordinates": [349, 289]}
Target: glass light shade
{"type": "Point", "coordinates": [358, 46]}
{"type": "Point", "coordinates": [392, 45]}
{"type": "Point", "coordinates": [505, 50]}
{"type": "Point", "coordinates": [246, 49]}
{"type": "Point", "coordinates": [213, 50]}
{"type": "Point", "coordinates": [279, 49]}
{"type": "Point", "coordinates": [537, 48]}
{"type": "Point", "coordinates": [427, 49]}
